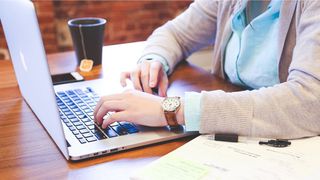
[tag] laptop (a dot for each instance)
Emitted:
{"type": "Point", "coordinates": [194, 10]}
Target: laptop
{"type": "Point", "coordinates": [66, 111]}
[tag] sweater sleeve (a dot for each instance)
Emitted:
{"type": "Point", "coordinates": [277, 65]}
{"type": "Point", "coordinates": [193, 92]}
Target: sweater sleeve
{"type": "Point", "coordinates": [287, 110]}
{"type": "Point", "coordinates": [193, 29]}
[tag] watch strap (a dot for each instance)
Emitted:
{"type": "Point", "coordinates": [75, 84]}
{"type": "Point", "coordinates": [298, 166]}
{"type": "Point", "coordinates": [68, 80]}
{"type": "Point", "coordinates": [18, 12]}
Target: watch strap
{"type": "Point", "coordinates": [171, 118]}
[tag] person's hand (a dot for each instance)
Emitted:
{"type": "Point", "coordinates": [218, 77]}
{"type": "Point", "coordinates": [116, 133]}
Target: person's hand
{"type": "Point", "coordinates": [131, 106]}
{"type": "Point", "coordinates": [147, 75]}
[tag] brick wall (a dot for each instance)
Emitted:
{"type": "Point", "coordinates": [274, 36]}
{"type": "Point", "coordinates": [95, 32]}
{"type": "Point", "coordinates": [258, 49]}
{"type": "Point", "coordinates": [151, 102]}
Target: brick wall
{"type": "Point", "coordinates": [46, 16]}
{"type": "Point", "coordinates": [128, 21]}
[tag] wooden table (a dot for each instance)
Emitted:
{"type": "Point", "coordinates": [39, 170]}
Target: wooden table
{"type": "Point", "coordinates": [26, 150]}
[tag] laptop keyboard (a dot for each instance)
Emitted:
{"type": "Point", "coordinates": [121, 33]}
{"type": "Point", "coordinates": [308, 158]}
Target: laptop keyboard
{"type": "Point", "coordinates": [76, 112]}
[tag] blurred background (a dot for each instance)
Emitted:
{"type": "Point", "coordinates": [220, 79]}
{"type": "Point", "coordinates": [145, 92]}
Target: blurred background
{"type": "Point", "coordinates": [128, 20]}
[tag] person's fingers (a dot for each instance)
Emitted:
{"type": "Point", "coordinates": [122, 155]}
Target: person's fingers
{"type": "Point", "coordinates": [114, 117]}
{"type": "Point", "coordinates": [135, 78]}
{"type": "Point", "coordinates": [107, 107]}
{"type": "Point", "coordinates": [155, 68]}
{"type": "Point", "coordinates": [163, 86]}
{"type": "Point", "coordinates": [112, 97]}
{"type": "Point", "coordinates": [145, 68]}
{"type": "Point", "coordinates": [123, 77]}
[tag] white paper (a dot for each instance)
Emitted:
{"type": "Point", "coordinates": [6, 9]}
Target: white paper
{"type": "Point", "coordinates": [203, 158]}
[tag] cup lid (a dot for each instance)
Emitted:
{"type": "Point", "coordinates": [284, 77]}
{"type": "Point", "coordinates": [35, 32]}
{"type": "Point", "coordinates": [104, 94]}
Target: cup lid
{"type": "Point", "coordinates": [86, 22]}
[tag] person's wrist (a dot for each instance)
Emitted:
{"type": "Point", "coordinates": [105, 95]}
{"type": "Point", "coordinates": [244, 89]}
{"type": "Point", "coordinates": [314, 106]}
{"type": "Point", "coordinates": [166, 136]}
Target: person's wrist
{"type": "Point", "coordinates": [178, 113]}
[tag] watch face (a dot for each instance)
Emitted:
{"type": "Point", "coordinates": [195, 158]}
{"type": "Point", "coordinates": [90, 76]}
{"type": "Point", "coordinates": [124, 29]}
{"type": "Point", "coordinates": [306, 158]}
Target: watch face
{"type": "Point", "coordinates": [171, 103]}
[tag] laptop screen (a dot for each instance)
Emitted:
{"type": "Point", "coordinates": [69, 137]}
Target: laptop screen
{"type": "Point", "coordinates": [21, 29]}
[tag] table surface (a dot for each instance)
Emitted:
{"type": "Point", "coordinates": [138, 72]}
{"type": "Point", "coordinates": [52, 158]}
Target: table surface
{"type": "Point", "coordinates": [27, 151]}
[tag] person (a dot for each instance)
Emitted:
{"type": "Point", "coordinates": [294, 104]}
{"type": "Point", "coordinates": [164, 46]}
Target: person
{"type": "Point", "coordinates": [271, 48]}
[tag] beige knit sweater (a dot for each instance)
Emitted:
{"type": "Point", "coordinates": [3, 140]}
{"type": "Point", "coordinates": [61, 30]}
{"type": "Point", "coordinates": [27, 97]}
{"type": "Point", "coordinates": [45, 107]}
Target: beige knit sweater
{"type": "Point", "coordinates": [290, 109]}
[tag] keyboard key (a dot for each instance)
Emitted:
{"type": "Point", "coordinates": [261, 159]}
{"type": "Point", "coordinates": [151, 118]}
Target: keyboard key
{"type": "Point", "coordinates": [86, 135]}
{"type": "Point", "coordinates": [78, 136]}
{"type": "Point", "coordinates": [110, 132]}
{"type": "Point", "coordinates": [70, 92]}
{"type": "Point", "coordinates": [63, 107]}
{"type": "Point", "coordinates": [74, 97]}
{"type": "Point", "coordinates": [130, 128]}
{"type": "Point", "coordinates": [73, 120]}
{"type": "Point", "coordinates": [70, 104]}
{"type": "Point", "coordinates": [61, 93]}
{"type": "Point", "coordinates": [99, 135]}
{"type": "Point", "coordinates": [71, 116]}
{"type": "Point", "coordinates": [81, 127]}
{"type": "Point", "coordinates": [78, 91]}
{"type": "Point", "coordinates": [65, 120]}
{"type": "Point", "coordinates": [72, 128]}
{"type": "Point", "coordinates": [132, 131]}
{"type": "Point", "coordinates": [84, 107]}
{"type": "Point", "coordinates": [65, 110]}
{"type": "Point", "coordinates": [75, 132]}
{"type": "Point", "coordinates": [68, 124]}
{"type": "Point", "coordinates": [82, 116]}
{"type": "Point", "coordinates": [89, 101]}
{"type": "Point", "coordinates": [120, 130]}
{"type": "Point", "coordinates": [62, 116]}
{"type": "Point", "coordinates": [77, 110]}
{"type": "Point", "coordinates": [89, 123]}
{"type": "Point", "coordinates": [85, 97]}
{"type": "Point", "coordinates": [91, 139]}
{"type": "Point", "coordinates": [82, 104]}
{"type": "Point", "coordinates": [67, 101]}
{"type": "Point", "coordinates": [78, 123]}
{"type": "Point", "coordinates": [79, 113]}
{"type": "Point", "coordinates": [86, 120]}
{"type": "Point", "coordinates": [82, 141]}
{"type": "Point", "coordinates": [73, 106]}
{"type": "Point", "coordinates": [91, 127]}
{"type": "Point", "coordinates": [92, 104]}
{"type": "Point", "coordinates": [65, 98]}
{"type": "Point", "coordinates": [77, 100]}
{"type": "Point", "coordinates": [83, 131]}
{"type": "Point", "coordinates": [68, 113]}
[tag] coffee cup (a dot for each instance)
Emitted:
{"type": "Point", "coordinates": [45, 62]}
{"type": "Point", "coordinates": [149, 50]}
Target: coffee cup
{"type": "Point", "coordinates": [87, 36]}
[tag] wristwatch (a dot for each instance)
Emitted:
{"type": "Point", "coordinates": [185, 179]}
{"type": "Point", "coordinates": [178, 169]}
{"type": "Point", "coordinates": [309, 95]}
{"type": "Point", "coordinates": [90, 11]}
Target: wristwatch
{"type": "Point", "coordinates": [170, 106]}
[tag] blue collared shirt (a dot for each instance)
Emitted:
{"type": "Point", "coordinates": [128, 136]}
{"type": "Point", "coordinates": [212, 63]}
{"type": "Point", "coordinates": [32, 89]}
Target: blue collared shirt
{"type": "Point", "coordinates": [251, 54]}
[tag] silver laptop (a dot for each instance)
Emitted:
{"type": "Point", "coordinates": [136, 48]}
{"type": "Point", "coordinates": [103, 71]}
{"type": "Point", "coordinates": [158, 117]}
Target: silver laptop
{"type": "Point", "coordinates": [66, 110]}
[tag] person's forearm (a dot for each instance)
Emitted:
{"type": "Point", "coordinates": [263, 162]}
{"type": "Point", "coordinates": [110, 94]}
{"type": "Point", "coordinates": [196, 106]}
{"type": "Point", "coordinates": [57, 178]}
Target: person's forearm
{"type": "Point", "coordinates": [288, 110]}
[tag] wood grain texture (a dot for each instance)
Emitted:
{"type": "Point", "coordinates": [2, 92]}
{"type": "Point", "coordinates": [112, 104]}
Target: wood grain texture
{"type": "Point", "coordinates": [27, 152]}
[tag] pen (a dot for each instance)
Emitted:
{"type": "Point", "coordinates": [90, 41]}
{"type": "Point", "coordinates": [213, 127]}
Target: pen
{"type": "Point", "coordinates": [229, 137]}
